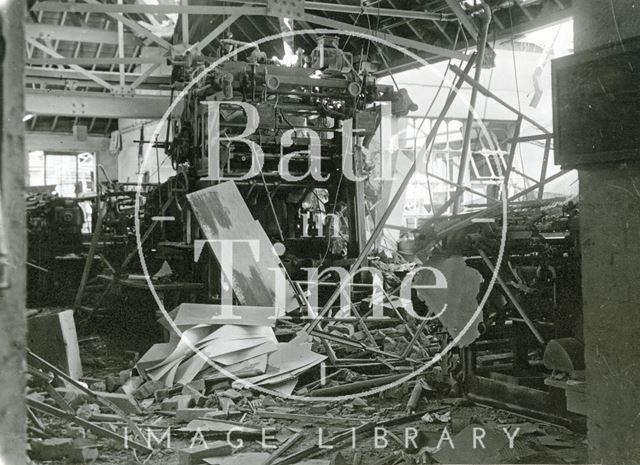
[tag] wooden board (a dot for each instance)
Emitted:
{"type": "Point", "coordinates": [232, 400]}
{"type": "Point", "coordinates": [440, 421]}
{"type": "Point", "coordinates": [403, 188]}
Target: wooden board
{"type": "Point", "coordinates": [53, 337]}
{"type": "Point", "coordinates": [188, 314]}
{"type": "Point", "coordinates": [289, 361]}
{"type": "Point", "coordinates": [223, 215]}
{"type": "Point", "coordinates": [239, 459]}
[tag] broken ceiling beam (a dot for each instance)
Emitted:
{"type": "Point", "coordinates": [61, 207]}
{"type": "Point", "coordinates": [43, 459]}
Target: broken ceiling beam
{"type": "Point", "coordinates": [349, 342]}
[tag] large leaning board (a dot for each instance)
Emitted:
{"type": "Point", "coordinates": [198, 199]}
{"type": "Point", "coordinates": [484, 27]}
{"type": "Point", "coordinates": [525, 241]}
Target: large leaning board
{"type": "Point", "coordinates": [223, 215]}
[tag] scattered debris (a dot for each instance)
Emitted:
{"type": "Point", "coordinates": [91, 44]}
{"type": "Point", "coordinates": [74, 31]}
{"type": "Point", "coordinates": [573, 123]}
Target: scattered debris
{"type": "Point", "coordinates": [201, 395]}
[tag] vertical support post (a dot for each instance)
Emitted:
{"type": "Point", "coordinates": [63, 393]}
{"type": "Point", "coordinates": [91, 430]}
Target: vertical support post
{"type": "Point", "coordinates": [95, 238]}
{"type": "Point", "coordinates": [121, 50]}
{"type": "Point", "coordinates": [185, 26]}
{"type": "Point", "coordinates": [545, 163]}
{"type": "Point", "coordinates": [466, 142]}
{"type": "Point", "coordinates": [12, 295]}
{"type": "Point", "coordinates": [609, 224]}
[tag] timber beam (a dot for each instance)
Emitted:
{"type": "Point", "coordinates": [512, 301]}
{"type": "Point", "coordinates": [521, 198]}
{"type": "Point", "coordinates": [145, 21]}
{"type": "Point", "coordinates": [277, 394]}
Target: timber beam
{"type": "Point", "coordinates": [257, 9]}
{"type": "Point", "coordinates": [94, 104]}
{"type": "Point", "coordinates": [77, 34]}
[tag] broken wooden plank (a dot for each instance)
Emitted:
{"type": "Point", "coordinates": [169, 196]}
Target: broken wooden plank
{"type": "Point", "coordinates": [357, 386]}
{"type": "Point", "coordinates": [99, 430]}
{"type": "Point", "coordinates": [244, 458]}
{"type": "Point", "coordinates": [224, 216]}
{"type": "Point", "coordinates": [185, 415]}
{"type": "Point", "coordinates": [196, 455]}
{"type": "Point", "coordinates": [309, 418]}
{"type": "Point", "coordinates": [124, 402]}
{"type": "Point", "coordinates": [219, 426]}
{"type": "Point", "coordinates": [283, 448]}
{"type": "Point", "coordinates": [83, 388]}
{"type": "Point", "coordinates": [347, 435]}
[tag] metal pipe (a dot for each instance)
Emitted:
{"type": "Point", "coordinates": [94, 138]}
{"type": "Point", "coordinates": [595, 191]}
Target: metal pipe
{"type": "Point", "coordinates": [466, 143]}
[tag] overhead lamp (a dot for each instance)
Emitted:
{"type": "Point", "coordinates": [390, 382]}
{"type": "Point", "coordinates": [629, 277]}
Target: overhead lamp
{"type": "Point", "coordinates": [27, 117]}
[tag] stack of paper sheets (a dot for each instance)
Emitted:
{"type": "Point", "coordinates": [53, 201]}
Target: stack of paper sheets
{"type": "Point", "coordinates": [202, 349]}
{"type": "Point", "coordinates": [234, 348]}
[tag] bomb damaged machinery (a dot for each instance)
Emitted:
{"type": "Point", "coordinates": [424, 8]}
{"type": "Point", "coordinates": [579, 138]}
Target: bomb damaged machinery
{"type": "Point", "coordinates": [291, 137]}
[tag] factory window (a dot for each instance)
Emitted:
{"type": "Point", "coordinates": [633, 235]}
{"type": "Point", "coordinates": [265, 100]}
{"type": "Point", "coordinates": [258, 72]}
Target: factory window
{"type": "Point", "coordinates": [68, 175]}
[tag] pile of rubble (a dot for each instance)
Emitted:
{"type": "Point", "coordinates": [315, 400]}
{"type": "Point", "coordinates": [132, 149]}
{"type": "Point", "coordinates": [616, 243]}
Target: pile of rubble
{"type": "Point", "coordinates": [211, 422]}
